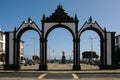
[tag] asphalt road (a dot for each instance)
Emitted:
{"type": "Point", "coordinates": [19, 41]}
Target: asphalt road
{"type": "Point", "coordinates": [44, 75]}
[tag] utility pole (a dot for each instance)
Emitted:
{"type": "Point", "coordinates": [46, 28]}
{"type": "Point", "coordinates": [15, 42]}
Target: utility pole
{"type": "Point", "coordinates": [34, 48]}
{"type": "Point", "coordinates": [26, 55]}
{"type": "Point", "coordinates": [91, 46]}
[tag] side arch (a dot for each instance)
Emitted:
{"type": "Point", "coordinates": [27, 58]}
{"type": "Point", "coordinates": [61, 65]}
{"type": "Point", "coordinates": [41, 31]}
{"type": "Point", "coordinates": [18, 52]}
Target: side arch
{"type": "Point", "coordinates": [30, 25]}
{"type": "Point", "coordinates": [92, 26]}
{"type": "Point", "coordinates": [19, 34]}
{"type": "Point", "coordinates": [102, 34]}
{"type": "Point", "coordinates": [93, 29]}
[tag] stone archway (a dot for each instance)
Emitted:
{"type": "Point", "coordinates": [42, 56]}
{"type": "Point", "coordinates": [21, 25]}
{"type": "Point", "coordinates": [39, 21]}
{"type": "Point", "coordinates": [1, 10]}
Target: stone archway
{"type": "Point", "coordinates": [23, 28]}
{"type": "Point", "coordinates": [59, 19]}
{"type": "Point", "coordinates": [13, 61]}
{"type": "Point", "coordinates": [106, 38]}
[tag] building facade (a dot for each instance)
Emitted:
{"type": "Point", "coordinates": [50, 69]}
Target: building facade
{"type": "Point", "coordinates": [2, 48]}
{"type": "Point", "coordinates": [21, 50]}
{"type": "Point", "coordinates": [117, 40]}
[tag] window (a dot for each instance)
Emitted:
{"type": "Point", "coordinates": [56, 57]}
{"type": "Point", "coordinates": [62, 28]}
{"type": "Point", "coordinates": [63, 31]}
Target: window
{"type": "Point", "coordinates": [1, 36]}
{"type": "Point", "coordinates": [1, 47]}
{"type": "Point", "coordinates": [117, 40]}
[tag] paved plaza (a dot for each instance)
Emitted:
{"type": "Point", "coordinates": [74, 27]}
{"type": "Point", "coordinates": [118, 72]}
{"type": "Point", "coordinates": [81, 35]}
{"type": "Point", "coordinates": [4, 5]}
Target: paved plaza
{"type": "Point", "coordinates": [56, 66]}
{"type": "Point", "coordinates": [59, 75]}
{"type": "Point", "coordinates": [60, 72]}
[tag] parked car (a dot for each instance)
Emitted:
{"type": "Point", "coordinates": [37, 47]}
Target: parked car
{"type": "Point", "coordinates": [29, 62]}
{"type": "Point", "coordinates": [23, 62]}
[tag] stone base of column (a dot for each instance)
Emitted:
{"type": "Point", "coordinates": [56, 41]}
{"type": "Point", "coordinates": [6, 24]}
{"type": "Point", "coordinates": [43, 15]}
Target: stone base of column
{"type": "Point", "coordinates": [11, 67]}
{"type": "Point", "coordinates": [76, 67]}
{"type": "Point", "coordinates": [107, 67]}
{"type": "Point", "coordinates": [43, 67]}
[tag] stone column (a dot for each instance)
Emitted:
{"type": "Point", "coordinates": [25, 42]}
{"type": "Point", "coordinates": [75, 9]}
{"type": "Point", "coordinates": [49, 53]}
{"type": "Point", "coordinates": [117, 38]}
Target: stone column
{"type": "Point", "coordinates": [43, 54]}
{"type": "Point", "coordinates": [102, 53]}
{"type": "Point", "coordinates": [76, 44]}
{"type": "Point", "coordinates": [17, 54]}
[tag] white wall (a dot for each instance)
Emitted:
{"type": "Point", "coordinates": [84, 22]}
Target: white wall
{"type": "Point", "coordinates": [3, 41]}
{"type": "Point", "coordinates": [109, 49]}
{"type": "Point", "coordinates": [71, 25]}
{"type": "Point", "coordinates": [11, 48]}
{"type": "Point", "coordinates": [21, 48]}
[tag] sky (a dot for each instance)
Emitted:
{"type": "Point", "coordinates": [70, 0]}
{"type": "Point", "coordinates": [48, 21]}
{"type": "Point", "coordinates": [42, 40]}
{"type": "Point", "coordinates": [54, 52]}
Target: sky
{"type": "Point", "coordinates": [105, 12]}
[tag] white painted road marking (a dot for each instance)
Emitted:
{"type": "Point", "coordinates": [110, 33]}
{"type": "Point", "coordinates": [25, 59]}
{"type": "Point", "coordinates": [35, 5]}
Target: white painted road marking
{"type": "Point", "coordinates": [75, 76]}
{"type": "Point", "coordinates": [41, 76]}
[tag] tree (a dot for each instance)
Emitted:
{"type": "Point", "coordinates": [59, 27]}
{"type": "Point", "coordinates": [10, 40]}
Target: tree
{"type": "Point", "coordinates": [96, 56]}
{"type": "Point", "coordinates": [89, 55]}
{"type": "Point", "coordinates": [35, 57]}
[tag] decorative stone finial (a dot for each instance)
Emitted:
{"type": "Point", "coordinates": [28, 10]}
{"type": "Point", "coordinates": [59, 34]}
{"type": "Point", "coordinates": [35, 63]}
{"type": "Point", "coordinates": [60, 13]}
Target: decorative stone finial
{"type": "Point", "coordinates": [104, 28]}
{"type": "Point", "coordinates": [76, 17]}
{"type": "Point", "coordinates": [29, 20]}
{"type": "Point", "coordinates": [43, 17]}
{"type": "Point", "coordinates": [59, 6]}
{"type": "Point", "coordinates": [15, 29]}
{"type": "Point", "coordinates": [90, 20]}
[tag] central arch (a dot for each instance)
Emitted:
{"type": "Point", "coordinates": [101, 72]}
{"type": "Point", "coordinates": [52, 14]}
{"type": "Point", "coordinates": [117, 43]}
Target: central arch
{"type": "Point", "coordinates": [57, 46]}
{"type": "Point", "coordinates": [59, 19]}
{"type": "Point", "coordinates": [71, 29]}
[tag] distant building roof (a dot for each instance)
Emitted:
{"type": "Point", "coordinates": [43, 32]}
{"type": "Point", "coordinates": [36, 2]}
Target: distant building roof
{"type": "Point", "coordinates": [117, 36]}
{"type": "Point", "coordinates": [22, 41]}
{"type": "Point", "coordinates": [1, 32]}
